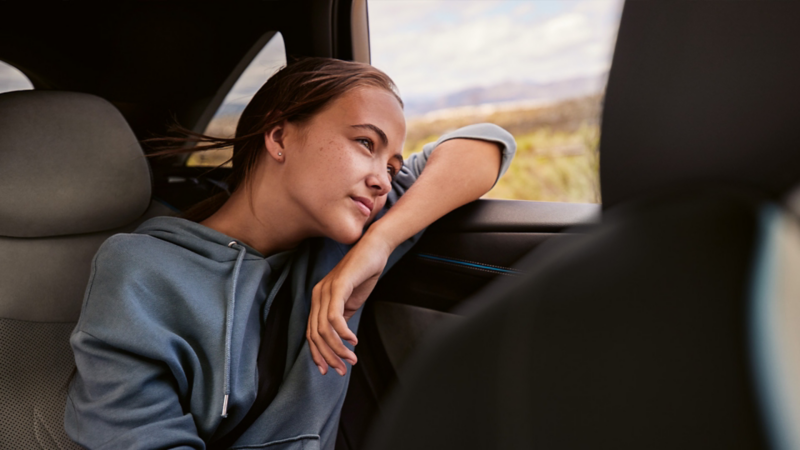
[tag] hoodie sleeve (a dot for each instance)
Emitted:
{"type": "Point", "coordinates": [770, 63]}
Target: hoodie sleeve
{"type": "Point", "coordinates": [413, 167]}
{"type": "Point", "coordinates": [415, 164]}
{"type": "Point", "coordinates": [123, 394]}
{"type": "Point", "coordinates": [130, 403]}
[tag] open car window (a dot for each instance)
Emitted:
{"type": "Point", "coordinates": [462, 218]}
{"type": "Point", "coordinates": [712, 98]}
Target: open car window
{"type": "Point", "coordinates": [538, 69]}
{"type": "Point", "coordinates": [223, 124]}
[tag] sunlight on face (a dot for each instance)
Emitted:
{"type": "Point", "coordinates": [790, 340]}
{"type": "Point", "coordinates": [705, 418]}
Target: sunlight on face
{"type": "Point", "coordinates": [339, 165]}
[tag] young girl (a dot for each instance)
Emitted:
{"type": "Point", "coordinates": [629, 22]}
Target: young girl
{"type": "Point", "coordinates": [218, 330]}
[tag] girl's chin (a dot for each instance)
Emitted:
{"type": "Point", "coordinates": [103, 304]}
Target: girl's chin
{"type": "Point", "coordinates": [347, 237]}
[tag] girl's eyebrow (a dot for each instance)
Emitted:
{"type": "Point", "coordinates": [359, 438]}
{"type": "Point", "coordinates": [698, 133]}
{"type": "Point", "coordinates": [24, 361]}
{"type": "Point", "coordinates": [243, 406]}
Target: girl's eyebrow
{"type": "Point", "coordinates": [377, 131]}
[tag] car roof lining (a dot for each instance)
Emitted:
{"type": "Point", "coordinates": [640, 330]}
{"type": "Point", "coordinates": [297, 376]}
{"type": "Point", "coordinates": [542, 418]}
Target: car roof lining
{"type": "Point", "coordinates": [163, 61]}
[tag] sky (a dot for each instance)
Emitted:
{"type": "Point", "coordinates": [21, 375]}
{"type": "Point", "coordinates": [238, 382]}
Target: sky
{"type": "Point", "coordinates": [434, 47]}
{"type": "Point", "coordinates": [271, 58]}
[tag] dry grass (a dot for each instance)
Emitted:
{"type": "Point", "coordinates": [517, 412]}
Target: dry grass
{"type": "Point", "coordinates": [224, 127]}
{"type": "Point", "coordinates": [556, 159]}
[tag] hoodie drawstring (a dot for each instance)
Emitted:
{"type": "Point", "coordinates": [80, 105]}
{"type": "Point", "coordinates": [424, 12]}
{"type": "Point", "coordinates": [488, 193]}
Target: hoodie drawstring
{"type": "Point", "coordinates": [229, 324]}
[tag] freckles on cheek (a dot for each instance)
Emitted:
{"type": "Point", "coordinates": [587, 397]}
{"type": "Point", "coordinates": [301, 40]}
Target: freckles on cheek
{"type": "Point", "coordinates": [330, 146]}
{"type": "Point", "coordinates": [336, 157]}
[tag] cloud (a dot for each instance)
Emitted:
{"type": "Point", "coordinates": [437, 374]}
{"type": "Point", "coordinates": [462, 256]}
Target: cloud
{"type": "Point", "coordinates": [434, 47]}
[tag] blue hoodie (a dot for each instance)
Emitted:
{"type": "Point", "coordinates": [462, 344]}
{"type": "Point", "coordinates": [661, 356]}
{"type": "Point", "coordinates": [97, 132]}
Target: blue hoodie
{"type": "Point", "coordinates": [168, 338]}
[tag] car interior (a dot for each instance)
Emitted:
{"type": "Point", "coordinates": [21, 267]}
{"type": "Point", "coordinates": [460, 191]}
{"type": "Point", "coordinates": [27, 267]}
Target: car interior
{"type": "Point", "coordinates": [511, 323]}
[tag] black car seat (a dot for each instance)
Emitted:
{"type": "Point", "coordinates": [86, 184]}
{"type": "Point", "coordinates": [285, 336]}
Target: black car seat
{"type": "Point", "coordinates": [674, 324]}
{"type": "Point", "coordinates": [71, 174]}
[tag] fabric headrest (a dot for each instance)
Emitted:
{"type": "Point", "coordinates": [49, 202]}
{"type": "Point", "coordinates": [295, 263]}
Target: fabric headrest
{"type": "Point", "coordinates": [702, 92]}
{"type": "Point", "coordinates": [69, 164]}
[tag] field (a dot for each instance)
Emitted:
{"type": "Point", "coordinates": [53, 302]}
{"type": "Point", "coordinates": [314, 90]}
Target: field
{"type": "Point", "coordinates": [557, 156]}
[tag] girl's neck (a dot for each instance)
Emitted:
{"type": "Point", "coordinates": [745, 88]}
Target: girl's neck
{"type": "Point", "coordinates": [268, 228]}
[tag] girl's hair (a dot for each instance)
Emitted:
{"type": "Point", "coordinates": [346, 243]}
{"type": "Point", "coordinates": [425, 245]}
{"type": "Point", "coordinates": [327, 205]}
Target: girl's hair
{"type": "Point", "coordinates": [294, 94]}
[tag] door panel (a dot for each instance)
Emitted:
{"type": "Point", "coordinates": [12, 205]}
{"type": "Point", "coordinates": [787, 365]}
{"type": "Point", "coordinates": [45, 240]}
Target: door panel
{"type": "Point", "coordinates": [445, 268]}
{"type": "Point", "coordinates": [455, 258]}
{"type": "Point", "coordinates": [401, 327]}
{"type": "Point", "coordinates": [462, 252]}
{"type": "Point", "coordinates": [517, 215]}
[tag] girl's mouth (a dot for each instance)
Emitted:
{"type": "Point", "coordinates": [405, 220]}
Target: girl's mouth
{"type": "Point", "coordinates": [363, 204]}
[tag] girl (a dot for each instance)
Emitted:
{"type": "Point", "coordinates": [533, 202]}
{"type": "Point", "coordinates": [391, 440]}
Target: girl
{"type": "Point", "coordinates": [220, 329]}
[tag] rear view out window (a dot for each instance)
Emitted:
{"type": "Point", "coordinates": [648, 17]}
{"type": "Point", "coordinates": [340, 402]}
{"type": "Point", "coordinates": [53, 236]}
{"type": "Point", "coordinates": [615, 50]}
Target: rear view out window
{"type": "Point", "coordinates": [11, 79]}
{"type": "Point", "coordinates": [271, 58]}
{"type": "Point", "coordinates": [536, 68]}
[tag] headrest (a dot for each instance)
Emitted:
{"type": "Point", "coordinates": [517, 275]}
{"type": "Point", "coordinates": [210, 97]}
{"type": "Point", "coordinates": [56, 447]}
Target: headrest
{"type": "Point", "coordinates": [702, 92]}
{"type": "Point", "coordinates": [69, 164]}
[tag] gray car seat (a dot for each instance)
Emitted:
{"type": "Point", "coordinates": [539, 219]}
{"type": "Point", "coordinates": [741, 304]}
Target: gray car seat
{"type": "Point", "coordinates": [674, 324]}
{"type": "Point", "coordinates": [71, 174]}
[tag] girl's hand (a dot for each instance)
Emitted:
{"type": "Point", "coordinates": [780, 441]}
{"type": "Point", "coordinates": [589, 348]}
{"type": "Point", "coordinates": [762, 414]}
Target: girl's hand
{"type": "Point", "coordinates": [338, 296]}
{"type": "Point", "coordinates": [458, 172]}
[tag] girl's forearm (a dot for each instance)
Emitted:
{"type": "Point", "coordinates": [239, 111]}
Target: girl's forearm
{"type": "Point", "coordinates": [457, 172]}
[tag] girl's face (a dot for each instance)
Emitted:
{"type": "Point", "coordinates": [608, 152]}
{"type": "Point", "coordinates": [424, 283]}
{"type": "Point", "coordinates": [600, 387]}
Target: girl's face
{"type": "Point", "coordinates": [338, 166]}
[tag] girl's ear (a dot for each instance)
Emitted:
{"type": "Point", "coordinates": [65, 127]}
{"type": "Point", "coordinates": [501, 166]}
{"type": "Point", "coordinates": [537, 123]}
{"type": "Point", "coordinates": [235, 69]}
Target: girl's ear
{"type": "Point", "coordinates": [273, 142]}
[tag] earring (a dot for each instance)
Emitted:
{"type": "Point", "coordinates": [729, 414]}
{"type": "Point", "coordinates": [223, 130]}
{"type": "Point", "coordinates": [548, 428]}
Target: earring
{"type": "Point", "coordinates": [280, 154]}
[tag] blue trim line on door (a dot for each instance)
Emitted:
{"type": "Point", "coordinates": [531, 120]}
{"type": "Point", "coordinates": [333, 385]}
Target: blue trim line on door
{"type": "Point", "coordinates": [469, 264]}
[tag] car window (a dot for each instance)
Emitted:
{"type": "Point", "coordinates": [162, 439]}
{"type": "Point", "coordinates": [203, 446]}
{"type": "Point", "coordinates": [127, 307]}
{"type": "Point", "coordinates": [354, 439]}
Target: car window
{"type": "Point", "coordinates": [538, 69]}
{"type": "Point", "coordinates": [271, 58]}
{"type": "Point", "coordinates": [11, 79]}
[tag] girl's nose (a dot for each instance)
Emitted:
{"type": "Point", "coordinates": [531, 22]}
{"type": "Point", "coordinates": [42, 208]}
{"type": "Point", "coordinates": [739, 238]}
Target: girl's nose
{"type": "Point", "coordinates": [381, 183]}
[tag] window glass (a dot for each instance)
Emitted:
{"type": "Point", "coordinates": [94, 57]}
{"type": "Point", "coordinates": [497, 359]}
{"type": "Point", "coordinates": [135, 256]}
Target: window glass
{"type": "Point", "coordinates": [271, 58]}
{"type": "Point", "coordinates": [538, 69]}
{"type": "Point", "coordinates": [11, 79]}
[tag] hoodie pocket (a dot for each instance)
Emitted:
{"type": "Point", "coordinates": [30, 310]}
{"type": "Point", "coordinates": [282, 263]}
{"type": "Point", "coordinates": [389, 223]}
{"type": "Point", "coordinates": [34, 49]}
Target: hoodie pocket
{"type": "Point", "coordinates": [302, 442]}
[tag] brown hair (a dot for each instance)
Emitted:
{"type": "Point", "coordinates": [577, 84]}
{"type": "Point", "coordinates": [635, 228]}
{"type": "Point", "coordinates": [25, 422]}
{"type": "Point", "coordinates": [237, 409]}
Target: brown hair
{"type": "Point", "coordinates": [294, 94]}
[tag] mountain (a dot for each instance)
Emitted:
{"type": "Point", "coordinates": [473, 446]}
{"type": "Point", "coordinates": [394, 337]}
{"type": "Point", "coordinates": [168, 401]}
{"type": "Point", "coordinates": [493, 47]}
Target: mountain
{"type": "Point", "coordinates": [508, 92]}
{"type": "Point", "coordinates": [512, 91]}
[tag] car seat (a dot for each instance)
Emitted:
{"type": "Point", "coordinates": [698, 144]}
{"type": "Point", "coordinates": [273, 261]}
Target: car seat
{"type": "Point", "coordinates": [71, 174]}
{"type": "Point", "coordinates": [674, 323]}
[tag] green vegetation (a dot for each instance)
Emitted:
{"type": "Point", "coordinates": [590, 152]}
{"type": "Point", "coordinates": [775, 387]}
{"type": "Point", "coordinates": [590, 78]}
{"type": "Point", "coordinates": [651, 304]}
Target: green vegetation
{"type": "Point", "coordinates": [557, 156]}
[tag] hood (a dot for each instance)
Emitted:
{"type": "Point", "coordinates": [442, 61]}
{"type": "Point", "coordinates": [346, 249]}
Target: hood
{"type": "Point", "coordinates": [195, 237]}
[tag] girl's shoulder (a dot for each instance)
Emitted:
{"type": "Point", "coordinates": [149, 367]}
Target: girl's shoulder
{"type": "Point", "coordinates": [141, 280]}
{"type": "Point", "coordinates": [129, 251]}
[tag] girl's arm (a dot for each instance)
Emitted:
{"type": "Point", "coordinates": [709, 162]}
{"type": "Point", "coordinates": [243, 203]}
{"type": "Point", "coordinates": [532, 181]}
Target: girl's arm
{"type": "Point", "coordinates": [458, 172]}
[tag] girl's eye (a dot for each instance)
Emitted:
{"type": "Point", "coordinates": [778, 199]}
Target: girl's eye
{"type": "Point", "coordinates": [366, 143]}
{"type": "Point", "coordinates": [391, 171]}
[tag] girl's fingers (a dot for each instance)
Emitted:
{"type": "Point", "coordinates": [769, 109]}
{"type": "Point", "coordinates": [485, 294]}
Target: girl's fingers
{"type": "Point", "coordinates": [327, 325]}
{"type": "Point", "coordinates": [322, 333]}
{"type": "Point", "coordinates": [328, 317]}
{"type": "Point", "coordinates": [314, 337]}
{"type": "Point", "coordinates": [336, 319]}
{"type": "Point", "coordinates": [315, 355]}
{"type": "Point", "coordinates": [330, 357]}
